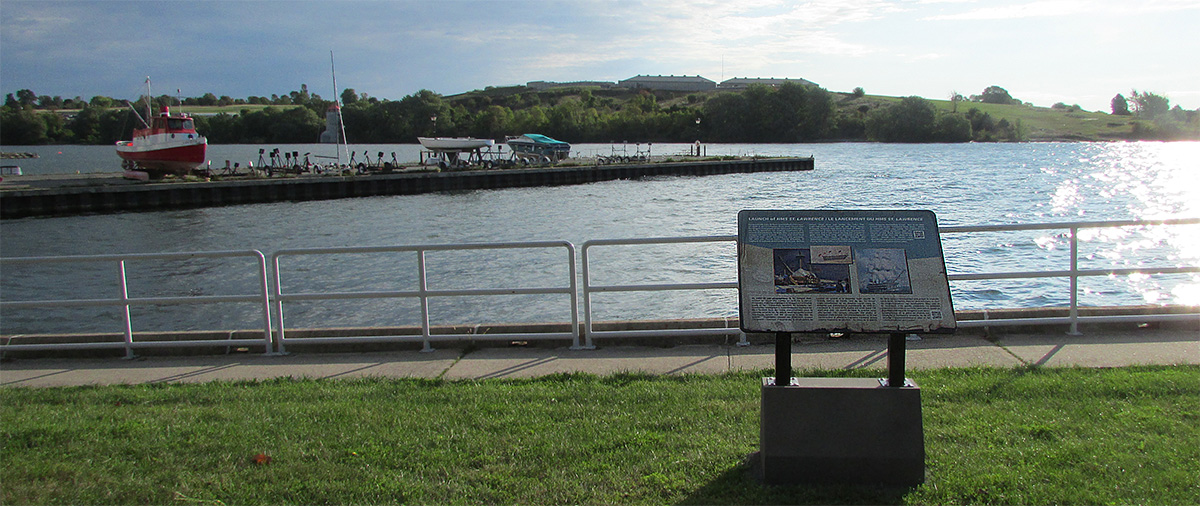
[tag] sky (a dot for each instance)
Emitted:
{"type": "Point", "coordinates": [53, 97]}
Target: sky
{"type": "Point", "coordinates": [1072, 51]}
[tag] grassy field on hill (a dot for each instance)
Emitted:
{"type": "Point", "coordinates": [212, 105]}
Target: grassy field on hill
{"type": "Point", "coordinates": [993, 436]}
{"type": "Point", "coordinates": [1045, 123]}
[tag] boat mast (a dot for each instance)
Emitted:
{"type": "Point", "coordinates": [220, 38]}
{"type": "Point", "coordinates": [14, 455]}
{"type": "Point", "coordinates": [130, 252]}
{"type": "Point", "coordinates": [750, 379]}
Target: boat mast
{"type": "Point", "coordinates": [149, 100]}
{"type": "Point", "coordinates": [337, 103]}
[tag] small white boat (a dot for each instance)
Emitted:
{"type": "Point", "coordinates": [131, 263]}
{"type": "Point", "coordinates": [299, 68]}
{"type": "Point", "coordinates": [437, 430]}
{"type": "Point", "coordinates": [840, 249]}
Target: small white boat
{"type": "Point", "coordinates": [454, 143]}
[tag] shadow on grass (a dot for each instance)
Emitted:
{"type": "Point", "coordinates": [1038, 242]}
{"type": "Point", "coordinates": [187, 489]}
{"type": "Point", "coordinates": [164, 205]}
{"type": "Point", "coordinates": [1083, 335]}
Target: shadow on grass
{"type": "Point", "coordinates": [742, 484]}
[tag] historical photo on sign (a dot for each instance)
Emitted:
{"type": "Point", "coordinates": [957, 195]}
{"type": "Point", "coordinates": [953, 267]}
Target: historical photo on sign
{"type": "Point", "coordinates": [832, 255]}
{"type": "Point", "coordinates": [883, 270]}
{"type": "Point", "coordinates": [795, 272]}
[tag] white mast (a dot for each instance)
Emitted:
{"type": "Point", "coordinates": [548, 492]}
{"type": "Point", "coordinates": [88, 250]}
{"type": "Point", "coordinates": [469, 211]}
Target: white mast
{"type": "Point", "coordinates": [338, 105]}
{"type": "Point", "coordinates": [149, 101]}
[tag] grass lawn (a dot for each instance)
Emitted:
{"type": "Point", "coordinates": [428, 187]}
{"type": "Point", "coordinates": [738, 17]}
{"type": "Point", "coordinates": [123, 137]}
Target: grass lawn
{"type": "Point", "coordinates": [993, 436]}
{"type": "Point", "coordinates": [1042, 123]}
{"type": "Point", "coordinates": [1037, 123]}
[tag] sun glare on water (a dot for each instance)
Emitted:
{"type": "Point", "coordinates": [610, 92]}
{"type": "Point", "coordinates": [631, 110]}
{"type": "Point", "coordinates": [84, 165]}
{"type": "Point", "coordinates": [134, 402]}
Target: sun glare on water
{"type": "Point", "coordinates": [1152, 181]}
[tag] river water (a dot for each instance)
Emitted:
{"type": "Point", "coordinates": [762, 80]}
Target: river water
{"type": "Point", "coordinates": [964, 184]}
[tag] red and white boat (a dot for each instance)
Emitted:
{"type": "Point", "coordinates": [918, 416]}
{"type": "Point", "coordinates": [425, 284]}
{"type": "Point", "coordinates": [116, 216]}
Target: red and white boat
{"type": "Point", "coordinates": [169, 144]}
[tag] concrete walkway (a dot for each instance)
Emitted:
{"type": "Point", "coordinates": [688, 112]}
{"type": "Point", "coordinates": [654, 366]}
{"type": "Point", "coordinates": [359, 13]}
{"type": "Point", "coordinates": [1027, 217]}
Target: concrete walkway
{"type": "Point", "coordinates": [1109, 348]}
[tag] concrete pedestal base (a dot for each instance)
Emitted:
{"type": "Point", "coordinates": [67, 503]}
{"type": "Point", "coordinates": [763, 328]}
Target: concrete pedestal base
{"type": "Point", "coordinates": [841, 430]}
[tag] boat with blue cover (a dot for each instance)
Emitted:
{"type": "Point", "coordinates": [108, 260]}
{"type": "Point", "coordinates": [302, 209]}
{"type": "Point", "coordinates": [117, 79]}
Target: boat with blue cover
{"type": "Point", "coordinates": [538, 148]}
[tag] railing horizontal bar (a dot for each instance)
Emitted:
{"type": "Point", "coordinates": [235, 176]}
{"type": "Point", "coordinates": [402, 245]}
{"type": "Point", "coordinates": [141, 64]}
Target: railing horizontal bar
{"type": "Point", "coordinates": [502, 337]}
{"type": "Point", "coordinates": [498, 291]}
{"type": "Point", "coordinates": [1067, 274]}
{"type": "Point", "coordinates": [199, 299]}
{"type": "Point", "coordinates": [64, 346]}
{"type": "Point", "coordinates": [662, 332]}
{"type": "Point", "coordinates": [204, 342]}
{"type": "Point", "coordinates": [355, 339]}
{"type": "Point", "coordinates": [1002, 322]}
{"type": "Point", "coordinates": [415, 294]}
{"type": "Point", "coordinates": [135, 344]}
{"type": "Point", "coordinates": [1141, 318]}
{"type": "Point", "coordinates": [1138, 270]}
{"type": "Point", "coordinates": [422, 247]}
{"type": "Point", "coordinates": [1009, 275]}
{"type": "Point", "coordinates": [17, 304]}
{"type": "Point", "coordinates": [661, 287]}
{"type": "Point", "coordinates": [287, 297]}
{"type": "Point", "coordinates": [658, 240]}
{"type": "Point", "coordinates": [132, 256]}
{"type": "Point", "coordinates": [417, 338]}
{"type": "Point", "coordinates": [1067, 225]}
{"type": "Point", "coordinates": [140, 301]}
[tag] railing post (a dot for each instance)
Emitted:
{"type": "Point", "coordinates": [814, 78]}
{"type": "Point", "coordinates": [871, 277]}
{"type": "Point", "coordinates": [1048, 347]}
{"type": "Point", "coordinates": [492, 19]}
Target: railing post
{"type": "Point", "coordinates": [1074, 311]}
{"type": "Point", "coordinates": [574, 286]}
{"type": "Point", "coordinates": [280, 336]}
{"type": "Point", "coordinates": [423, 291]}
{"type": "Point", "coordinates": [125, 308]}
{"type": "Point", "coordinates": [587, 302]}
{"type": "Point", "coordinates": [265, 286]}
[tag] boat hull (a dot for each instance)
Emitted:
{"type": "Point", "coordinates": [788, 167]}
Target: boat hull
{"type": "Point", "coordinates": [539, 148]}
{"type": "Point", "coordinates": [454, 143]}
{"type": "Point", "coordinates": [177, 158]}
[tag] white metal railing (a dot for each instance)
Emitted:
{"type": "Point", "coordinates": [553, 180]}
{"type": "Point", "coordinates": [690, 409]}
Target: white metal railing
{"type": "Point", "coordinates": [124, 301]}
{"type": "Point", "coordinates": [423, 293]}
{"type": "Point", "coordinates": [272, 298]}
{"type": "Point", "coordinates": [1073, 272]}
{"type": "Point", "coordinates": [588, 289]}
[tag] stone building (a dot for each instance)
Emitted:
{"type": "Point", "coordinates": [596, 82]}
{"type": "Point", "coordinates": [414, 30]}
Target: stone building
{"type": "Point", "coordinates": [543, 85]}
{"type": "Point", "coordinates": [674, 83]}
{"type": "Point", "coordinates": [741, 83]}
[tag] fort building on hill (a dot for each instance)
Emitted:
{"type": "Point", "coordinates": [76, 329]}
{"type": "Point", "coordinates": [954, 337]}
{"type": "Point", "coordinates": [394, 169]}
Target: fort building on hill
{"type": "Point", "coordinates": [674, 83]}
{"type": "Point", "coordinates": [741, 83]}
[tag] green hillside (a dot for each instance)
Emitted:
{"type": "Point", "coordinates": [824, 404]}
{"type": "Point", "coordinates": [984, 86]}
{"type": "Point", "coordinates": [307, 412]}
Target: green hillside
{"type": "Point", "coordinates": [789, 113]}
{"type": "Point", "coordinates": [1036, 123]}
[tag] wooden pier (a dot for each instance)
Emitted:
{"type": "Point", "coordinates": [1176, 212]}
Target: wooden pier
{"type": "Point", "coordinates": [98, 195]}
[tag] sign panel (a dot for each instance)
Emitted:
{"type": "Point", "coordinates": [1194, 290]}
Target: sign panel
{"type": "Point", "coordinates": [848, 271]}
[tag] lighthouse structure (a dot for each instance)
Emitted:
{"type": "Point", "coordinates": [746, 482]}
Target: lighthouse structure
{"type": "Point", "coordinates": [332, 120]}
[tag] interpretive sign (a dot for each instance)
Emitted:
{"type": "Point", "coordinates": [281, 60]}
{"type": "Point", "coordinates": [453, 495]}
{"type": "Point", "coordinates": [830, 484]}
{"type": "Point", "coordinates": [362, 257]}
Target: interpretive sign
{"type": "Point", "coordinates": [850, 271]}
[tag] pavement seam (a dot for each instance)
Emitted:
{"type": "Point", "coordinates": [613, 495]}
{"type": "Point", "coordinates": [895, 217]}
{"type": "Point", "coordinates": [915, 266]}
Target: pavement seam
{"type": "Point", "coordinates": [1010, 352]}
{"type": "Point", "coordinates": [462, 354]}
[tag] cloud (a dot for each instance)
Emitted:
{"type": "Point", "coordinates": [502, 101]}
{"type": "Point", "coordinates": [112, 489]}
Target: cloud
{"type": "Point", "coordinates": [921, 57]}
{"type": "Point", "coordinates": [1061, 8]}
{"type": "Point", "coordinates": [695, 36]}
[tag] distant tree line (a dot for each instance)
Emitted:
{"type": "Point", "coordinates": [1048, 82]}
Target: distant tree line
{"type": "Point", "coordinates": [785, 114]}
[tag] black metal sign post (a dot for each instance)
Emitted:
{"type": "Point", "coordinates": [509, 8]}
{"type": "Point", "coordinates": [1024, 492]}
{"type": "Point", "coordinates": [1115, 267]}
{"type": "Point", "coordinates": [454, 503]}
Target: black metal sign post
{"type": "Point", "coordinates": [860, 272]}
{"type": "Point", "coordinates": [895, 352]}
{"type": "Point", "coordinates": [783, 359]}
{"type": "Point", "coordinates": [896, 344]}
